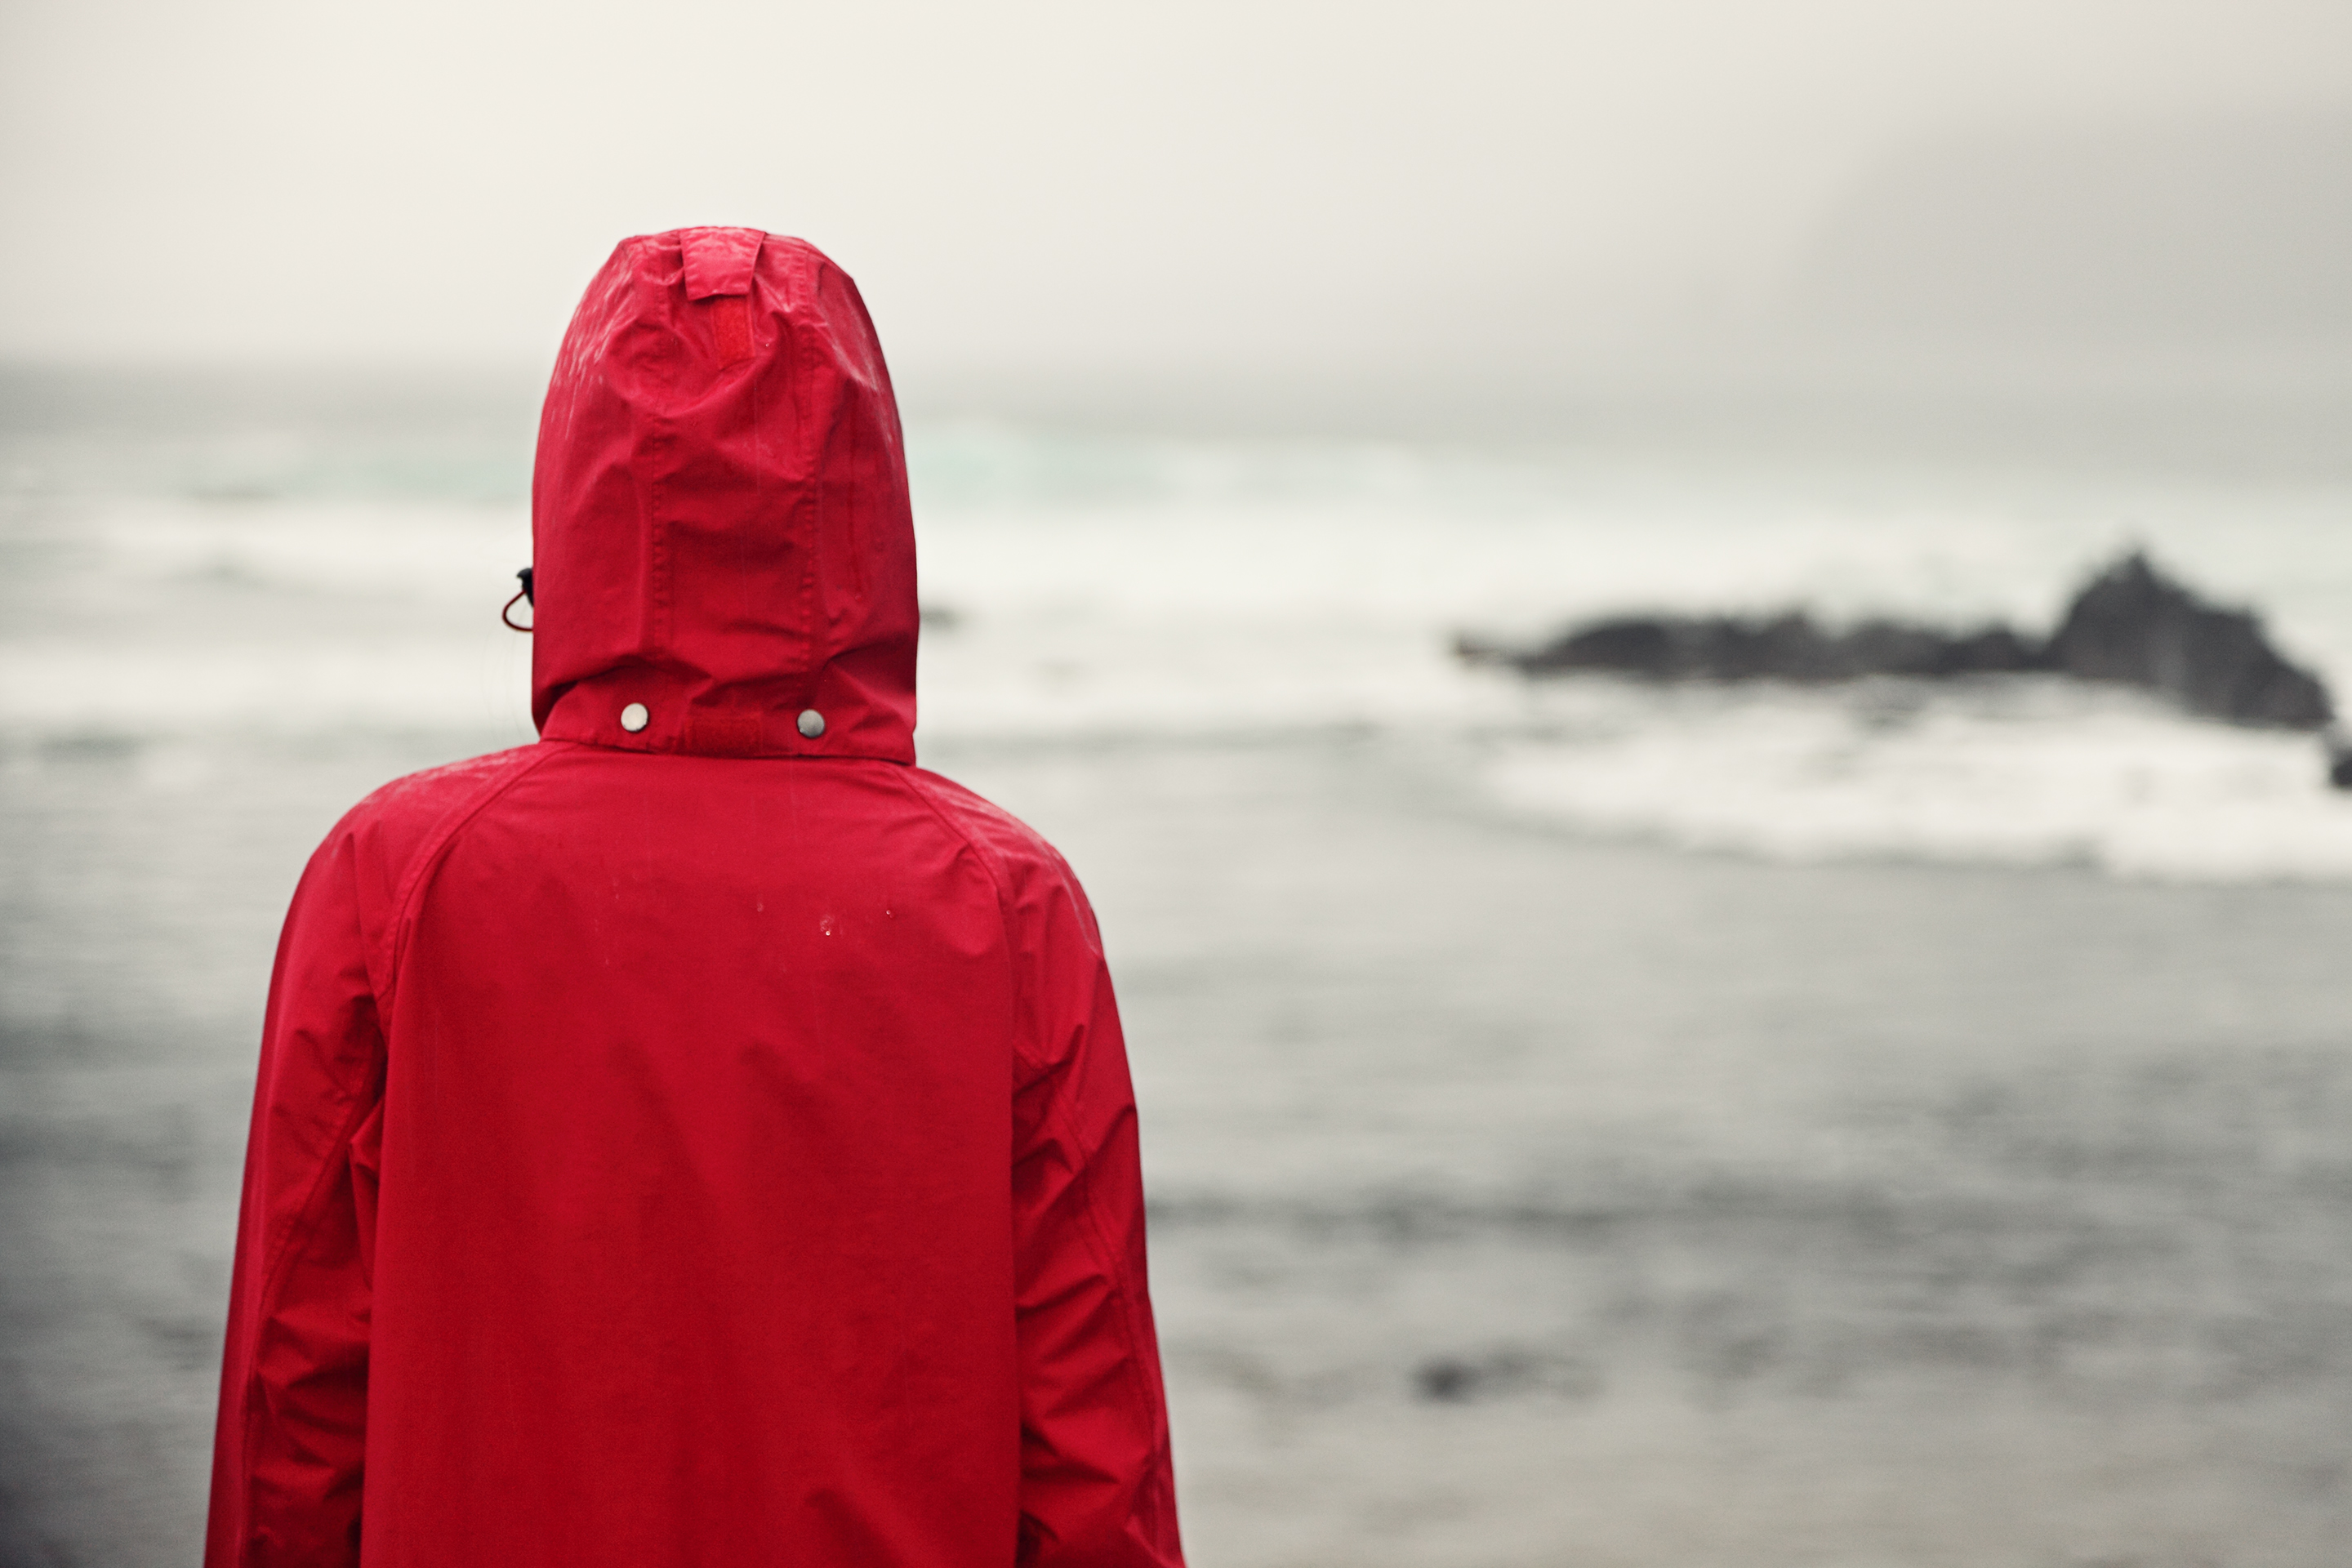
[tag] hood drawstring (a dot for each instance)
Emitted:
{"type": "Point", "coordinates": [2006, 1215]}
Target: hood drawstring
{"type": "Point", "coordinates": [507, 613]}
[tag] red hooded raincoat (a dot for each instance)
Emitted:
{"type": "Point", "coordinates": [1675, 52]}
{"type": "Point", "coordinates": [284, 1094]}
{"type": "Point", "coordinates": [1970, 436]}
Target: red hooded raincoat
{"type": "Point", "coordinates": [702, 1137]}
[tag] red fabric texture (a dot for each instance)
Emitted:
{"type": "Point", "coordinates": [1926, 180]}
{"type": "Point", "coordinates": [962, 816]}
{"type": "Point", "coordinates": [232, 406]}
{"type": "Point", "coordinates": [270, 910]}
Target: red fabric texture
{"type": "Point", "coordinates": [703, 1144]}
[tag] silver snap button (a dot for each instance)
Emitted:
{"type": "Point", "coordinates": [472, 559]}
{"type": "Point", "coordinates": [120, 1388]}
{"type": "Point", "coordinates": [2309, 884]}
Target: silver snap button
{"type": "Point", "coordinates": [633, 718]}
{"type": "Point", "coordinates": [811, 722]}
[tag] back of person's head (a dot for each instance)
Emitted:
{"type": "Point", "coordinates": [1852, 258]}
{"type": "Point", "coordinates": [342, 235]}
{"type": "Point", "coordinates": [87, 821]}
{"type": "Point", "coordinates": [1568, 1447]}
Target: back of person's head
{"type": "Point", "coordinates": [723, 555]}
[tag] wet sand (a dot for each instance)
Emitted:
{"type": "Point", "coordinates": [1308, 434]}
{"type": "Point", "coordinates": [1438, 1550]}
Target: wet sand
{"type": "Point", "coordinates": [1518, 1199]}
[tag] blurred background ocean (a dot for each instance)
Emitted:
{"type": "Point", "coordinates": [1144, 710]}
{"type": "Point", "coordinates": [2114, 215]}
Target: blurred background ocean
{"type": "Point", "coordinates": [1588, 1121]}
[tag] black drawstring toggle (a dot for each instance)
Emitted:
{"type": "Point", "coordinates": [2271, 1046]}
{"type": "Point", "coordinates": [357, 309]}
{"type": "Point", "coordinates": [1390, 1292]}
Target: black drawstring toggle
{"type": "Point", "coordinates": [522, 595]}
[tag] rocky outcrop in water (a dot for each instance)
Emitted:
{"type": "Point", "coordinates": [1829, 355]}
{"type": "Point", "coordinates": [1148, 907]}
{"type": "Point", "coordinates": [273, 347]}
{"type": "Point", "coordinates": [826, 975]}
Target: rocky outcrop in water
{"type": "Point", "coordinates": [1792, 647]}
{"type": "Point", "coordinates": [2131, 625]}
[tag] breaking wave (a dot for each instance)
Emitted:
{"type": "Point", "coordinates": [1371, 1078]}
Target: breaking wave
{"type": "Point", "coordinates": [2022, 771]}
{"type": "Point", "coordinates": [1186, 594]}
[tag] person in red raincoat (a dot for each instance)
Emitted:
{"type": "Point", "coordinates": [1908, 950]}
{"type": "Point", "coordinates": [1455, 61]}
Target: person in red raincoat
{"type": "Point", "coordinates": [702, 1137]}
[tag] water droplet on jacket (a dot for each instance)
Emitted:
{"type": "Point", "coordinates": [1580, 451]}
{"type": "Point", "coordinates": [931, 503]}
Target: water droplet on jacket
{"type": "Point", "coordinates": [635, 718]}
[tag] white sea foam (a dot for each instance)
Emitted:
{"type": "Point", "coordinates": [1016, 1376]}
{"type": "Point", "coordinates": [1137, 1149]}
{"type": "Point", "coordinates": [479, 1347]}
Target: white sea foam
{"type": "Point", "coordinates": [1176, 592]}
{"type": "Point", "coordinates": [158, 617]}
{"type": "Point", "coordinates": [2014, 771]}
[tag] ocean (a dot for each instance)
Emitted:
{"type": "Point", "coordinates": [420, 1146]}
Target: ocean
{"type": "Point", "coordinates": [1586, 1122]}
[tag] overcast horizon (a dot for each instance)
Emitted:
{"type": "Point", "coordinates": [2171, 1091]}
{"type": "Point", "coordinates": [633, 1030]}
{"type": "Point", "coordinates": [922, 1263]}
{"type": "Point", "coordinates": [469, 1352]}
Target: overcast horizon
{"type": "Point", "coordinates": [1297, 215]}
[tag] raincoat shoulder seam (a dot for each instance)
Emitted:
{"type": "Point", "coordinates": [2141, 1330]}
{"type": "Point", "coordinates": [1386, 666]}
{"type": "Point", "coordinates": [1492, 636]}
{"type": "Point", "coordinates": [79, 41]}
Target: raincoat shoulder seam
{"type": "Point", "coordinates": [987, 858]}
{"type": "Point", "coordinates": [436, 845]}
{"type": "Point", "coordinates": [1107, 1257]}
{"type": "Point", "coordinates": [308, 1213]}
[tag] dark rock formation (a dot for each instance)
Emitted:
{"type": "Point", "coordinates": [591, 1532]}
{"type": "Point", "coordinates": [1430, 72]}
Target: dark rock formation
{"type": "Point", "coordinates": [2130, 624]}
{"type": "Point", "coordinates": [1785, 648]}
{"type": "Point", "coordinates": [2134, 625]}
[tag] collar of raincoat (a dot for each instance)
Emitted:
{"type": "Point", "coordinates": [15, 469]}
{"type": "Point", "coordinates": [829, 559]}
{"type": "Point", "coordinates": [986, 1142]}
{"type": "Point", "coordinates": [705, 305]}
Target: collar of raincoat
{"type": "Point", "coordinates": [721, 543]}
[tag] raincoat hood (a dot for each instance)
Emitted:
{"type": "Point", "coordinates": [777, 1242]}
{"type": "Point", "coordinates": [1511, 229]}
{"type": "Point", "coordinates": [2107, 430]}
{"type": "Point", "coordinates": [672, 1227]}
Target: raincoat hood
{"type": "Point", "coordinates": [723, 553]}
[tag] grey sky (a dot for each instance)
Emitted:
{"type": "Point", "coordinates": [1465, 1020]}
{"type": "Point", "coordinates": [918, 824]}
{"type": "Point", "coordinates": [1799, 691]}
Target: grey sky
{"type": "Point", "coordinates": [1052, 190]}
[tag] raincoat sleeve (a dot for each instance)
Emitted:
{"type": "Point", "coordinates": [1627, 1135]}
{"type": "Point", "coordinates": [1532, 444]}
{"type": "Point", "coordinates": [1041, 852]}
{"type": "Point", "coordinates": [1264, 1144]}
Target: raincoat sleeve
{"type": "Point", "coordinates": [287, 1459]}
{"type": "Point", "coordinates": [1098, 1486]}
